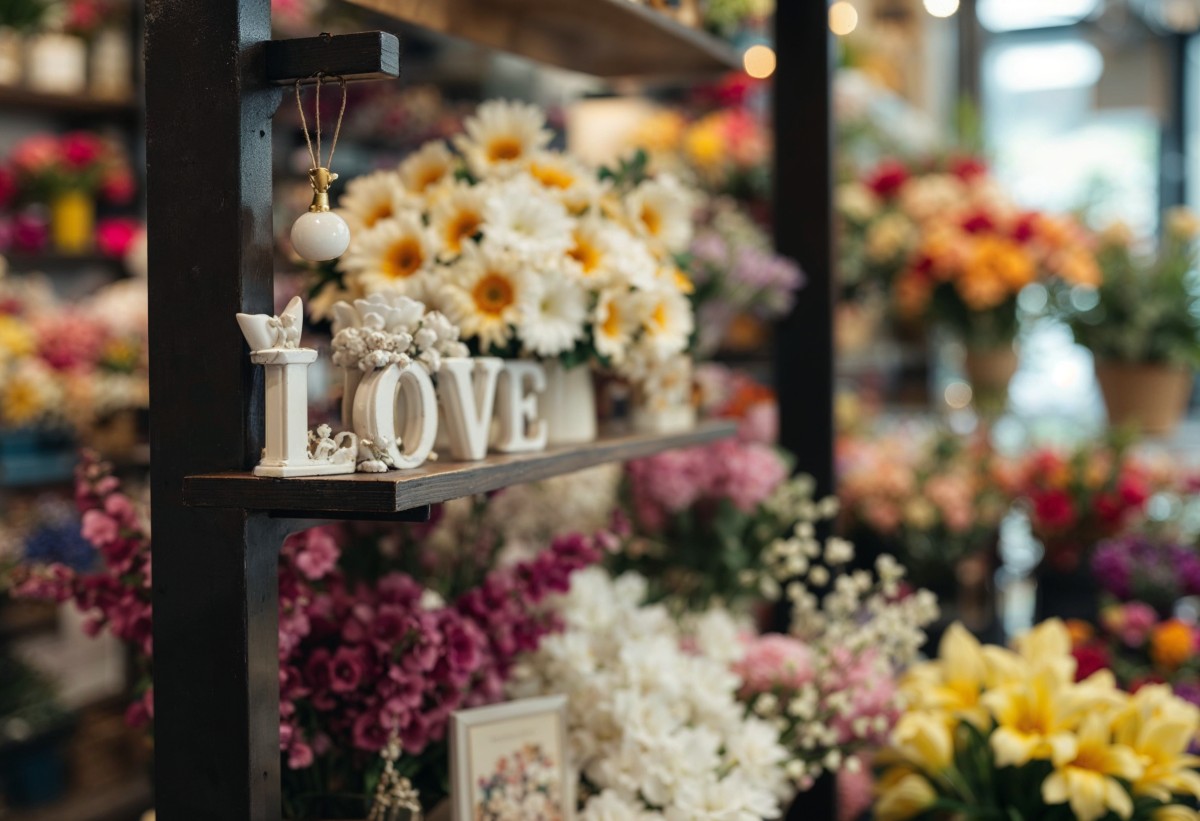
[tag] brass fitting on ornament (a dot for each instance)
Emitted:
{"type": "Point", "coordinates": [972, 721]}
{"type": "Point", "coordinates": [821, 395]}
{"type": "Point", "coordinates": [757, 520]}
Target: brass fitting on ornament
{"type": "Point", "coordinates": [320, 179]}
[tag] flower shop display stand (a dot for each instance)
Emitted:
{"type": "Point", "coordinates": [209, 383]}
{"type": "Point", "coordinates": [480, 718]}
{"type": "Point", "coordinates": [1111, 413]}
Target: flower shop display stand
{"type": "Point", "coordinates": [401, 490]}
{"type": "Point", "coordinates": [212, 87]}
{"type": "Point", "coordinates": [605, 38]}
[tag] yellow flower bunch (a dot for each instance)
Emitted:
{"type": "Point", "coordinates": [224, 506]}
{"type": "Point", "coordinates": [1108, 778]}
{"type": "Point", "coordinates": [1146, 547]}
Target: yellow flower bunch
{"type": "Point", "coordinates": [1011, 734]}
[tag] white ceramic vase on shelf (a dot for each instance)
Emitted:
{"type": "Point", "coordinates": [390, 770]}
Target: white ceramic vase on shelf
{"type": "Point", "coordinates": [11, 53]}
{"type": "Point", "coordinates": [569, 405]}
{"type": "Point", "coordinates": [112, 65]}
{"type": "Point", "coordinates": [56, 64]}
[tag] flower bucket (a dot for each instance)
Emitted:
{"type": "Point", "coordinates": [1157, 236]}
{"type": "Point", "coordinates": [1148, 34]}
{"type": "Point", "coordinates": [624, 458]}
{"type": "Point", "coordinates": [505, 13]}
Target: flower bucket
{"type": "Point", "coordinates": [112, 65]}
{"type": "Point", "coordinates": [56, 64]}
{"type": "Point", "coordinates": [989, 370]}
{"type": "Point", "coordinates": [11, 55]}
{"type": "Point", "coordinates": [73, 221]}
{"type": "Point", "coordinates": [1153, 398]}
{"type": "Point", "coordinates": [569, 405]}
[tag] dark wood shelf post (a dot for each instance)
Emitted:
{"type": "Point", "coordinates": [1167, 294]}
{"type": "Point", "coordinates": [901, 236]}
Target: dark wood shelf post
{"type": "Point", "coordinates": [216, 677]}
{"type": "Point", "coordinates": [804, 355]}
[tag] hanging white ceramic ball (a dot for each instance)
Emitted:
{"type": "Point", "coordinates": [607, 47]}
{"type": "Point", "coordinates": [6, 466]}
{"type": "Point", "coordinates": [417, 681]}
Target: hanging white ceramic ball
{"type": "Point", "coordinates": [320, 235]}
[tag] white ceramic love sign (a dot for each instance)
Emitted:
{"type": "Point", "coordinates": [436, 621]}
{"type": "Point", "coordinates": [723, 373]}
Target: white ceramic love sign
{"type": "Point", "coordinates": [291, 449]}
{"type": "Point", "coordinates": [395, 417]}
{"type": "Point", "coordinates": [392, 407]}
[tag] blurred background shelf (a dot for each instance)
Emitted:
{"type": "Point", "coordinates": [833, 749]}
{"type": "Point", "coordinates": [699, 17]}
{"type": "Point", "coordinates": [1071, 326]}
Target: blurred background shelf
{"type": "Point", "coordinates": [67, 105]}
{"type": "Point", "coordinates": [54, 262]}
{"type": "Point", "coordinates": [605, 38]}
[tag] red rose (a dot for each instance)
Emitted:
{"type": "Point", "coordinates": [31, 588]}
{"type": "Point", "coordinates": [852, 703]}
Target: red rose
{"type": "Point", "coordinates": [1109, 509]}
{"type": "Point", "coordinates": [115, 235]}
{"type": "Point", "coordinates": [1026, 228]}
{"type": "Point", "coordinates": [887, 180]}
{"type": "Point", "coordinates": [118, 186]}
{"type": "Point", "coordinates": [978, 222]}
{"type": "Point", "coordinates": [1054, 509]}
{"type": "Point", "coordinates": [1089, 658]}
{"type": "Point", "coordinates": [8, 187]}
{"type": "Point", "coordinates": [967, 168]}
{"type": "Point", "coordinates": [1133, 489]}
{"type": "Point", "coordinates": [80, 149]}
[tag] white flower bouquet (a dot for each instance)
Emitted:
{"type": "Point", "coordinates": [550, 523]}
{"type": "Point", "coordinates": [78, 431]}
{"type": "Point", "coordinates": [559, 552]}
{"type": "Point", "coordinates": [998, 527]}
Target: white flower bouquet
{"type": "Point", "coordinates": [528, 251]}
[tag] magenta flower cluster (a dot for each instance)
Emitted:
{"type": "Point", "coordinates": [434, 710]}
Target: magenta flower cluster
{"type": "Point", "coordinates": [745, 473]}
{"type": "Point", "coordinates": [1139, 567]}
{"type": "Point", "coordinates": [359, 661]}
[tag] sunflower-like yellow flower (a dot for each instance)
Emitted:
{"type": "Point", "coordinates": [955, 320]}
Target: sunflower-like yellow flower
{"type": "Point", "coordinates": [903, 794]}
{"type": "Point", "coordinates": [1088, 780]}
{"type": "Point", "coordinates": [16, 338]}
{"type": "Point", "coordinates": [1175, 812]}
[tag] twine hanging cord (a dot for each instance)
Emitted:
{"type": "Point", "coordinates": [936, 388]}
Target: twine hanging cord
{"type": "Point", "coordinates": [315, 156]}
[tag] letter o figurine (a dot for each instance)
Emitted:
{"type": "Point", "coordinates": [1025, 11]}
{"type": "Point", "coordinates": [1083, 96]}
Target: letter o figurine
{"type": "Point", "coordinates": [396, 408]}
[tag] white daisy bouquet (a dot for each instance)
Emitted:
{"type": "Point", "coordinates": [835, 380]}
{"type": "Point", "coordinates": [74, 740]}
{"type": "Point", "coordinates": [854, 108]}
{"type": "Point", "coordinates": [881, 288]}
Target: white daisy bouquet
{"type": "Point", "coordinates": [528, 251]}
{"type": "Point", "coordinates": [656, 729]}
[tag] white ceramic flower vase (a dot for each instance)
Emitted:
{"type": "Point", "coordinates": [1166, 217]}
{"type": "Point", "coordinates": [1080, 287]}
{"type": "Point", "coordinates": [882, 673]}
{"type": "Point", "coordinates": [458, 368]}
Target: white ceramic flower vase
{"type": "Point", "coordinates": [663, 420]}
{"type": "Point", "coordinates": [11, 53]}
{"type": "Point", "coordinates": [112, 65]}
{"type": "Point", "coordinates": [569, 405]}
{"type": "Point", "coordinates": [56, 64]}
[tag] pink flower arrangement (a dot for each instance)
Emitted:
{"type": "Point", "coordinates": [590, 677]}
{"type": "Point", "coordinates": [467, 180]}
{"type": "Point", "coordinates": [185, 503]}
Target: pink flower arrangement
{"type": "Point", "coordinates": [744, 473]}
{"type": "Point", "coordinates": [774, 661]}
{"type": "Point", "coordinates": [46, 165]}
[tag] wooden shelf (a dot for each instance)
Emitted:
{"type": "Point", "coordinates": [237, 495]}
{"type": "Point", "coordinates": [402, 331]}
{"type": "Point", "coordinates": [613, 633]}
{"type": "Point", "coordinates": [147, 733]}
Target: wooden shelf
{"type": "Point", "coordinates": [397, 491]}
{"type": "Point", "coordinates": [605, 38]}
{"type": "Point", "coordinates": [71, 106]}
{"type": "Point", "coordinates": [54, 261]}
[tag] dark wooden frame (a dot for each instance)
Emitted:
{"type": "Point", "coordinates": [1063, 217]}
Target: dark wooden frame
{"type": "Point", "coordinates": [209, 109]}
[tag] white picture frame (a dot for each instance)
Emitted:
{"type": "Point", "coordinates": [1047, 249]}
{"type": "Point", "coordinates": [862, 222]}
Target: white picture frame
{"type": "Point", "coordinates": [487, 741]}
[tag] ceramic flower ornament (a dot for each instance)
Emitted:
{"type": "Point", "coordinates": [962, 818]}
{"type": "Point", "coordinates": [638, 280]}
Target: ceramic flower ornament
{"type": "Point", "coordinates": [291, 449]}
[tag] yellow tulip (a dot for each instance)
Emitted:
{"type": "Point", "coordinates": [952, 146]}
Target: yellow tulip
{"type": "Point", "coordinates": [1031, 721]}
{"type": "Point", "coordinates": [1048, 645]}
{"type": "Point", "coordinates": [1088, 780]}
{"type": "Point", "coordinates": [1160, 727]}
{"type": "Point", "coordinates": [924, 740]}
{"type": "Point", "coordinates": [902, 795]}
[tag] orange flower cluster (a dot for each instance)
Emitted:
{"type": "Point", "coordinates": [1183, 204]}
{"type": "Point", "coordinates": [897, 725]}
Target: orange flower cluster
{"type": "Point", "coordinates": [988, 253]}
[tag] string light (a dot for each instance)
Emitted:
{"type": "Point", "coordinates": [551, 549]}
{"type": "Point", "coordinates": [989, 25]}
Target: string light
{"type": "Point", "coordinates": [759, 61]}
{"type": "Point", "coordinates": [941, 8]}
{"type": "Point", "coordinates": [843, 18]}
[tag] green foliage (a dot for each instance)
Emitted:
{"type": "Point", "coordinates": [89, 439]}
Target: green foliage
{"type": "Point", "coordinates": [630, 171]}
{"type": "Point", "coordinates": [1147, 310]}
{"type": "Point", "coordinates": [27, 696]}
{"type": "Point", "coordinates": [22, 15]}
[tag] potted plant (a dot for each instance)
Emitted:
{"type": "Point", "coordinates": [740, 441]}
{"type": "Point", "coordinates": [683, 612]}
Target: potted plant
{"type": "Point", "coordinates": [68, 173]}
{"type": "Point", "coordinates": [953, 250]}
{"type": "Point", "coordinates": [1142, 324]}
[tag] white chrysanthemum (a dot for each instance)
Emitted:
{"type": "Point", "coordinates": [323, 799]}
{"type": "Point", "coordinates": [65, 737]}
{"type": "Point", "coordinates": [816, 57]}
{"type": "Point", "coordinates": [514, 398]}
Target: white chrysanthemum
{"type": "Point", "coordinates": [427, 167]}
{"type": "Point", "coordinates": [370, 199]}
{"type": "Point", "coordinates": [502, 136]}
{"type": "Point", "coordinates": [610, 806]}
{"type": "Point", "coordinates": [485, 294]}
{"type": "Point", "coordinates": [522, 218]}
{"type": "Point", "coordinates": [457, 217]}
{"type": "Point", "coordinates": [574, 184]}
{"type": "Point", "coordinates": [665, 318]}
{"type": "Point", "coordinates": [662, 210]}
{"type": "Point", "coordinates": [553, 316]}
{"type": "Point", "coordinates": [394, 255]}
{"type": "Point", "coordinates": [633, 724]}
{"type": "Point", "coordinates": [613, 324]}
